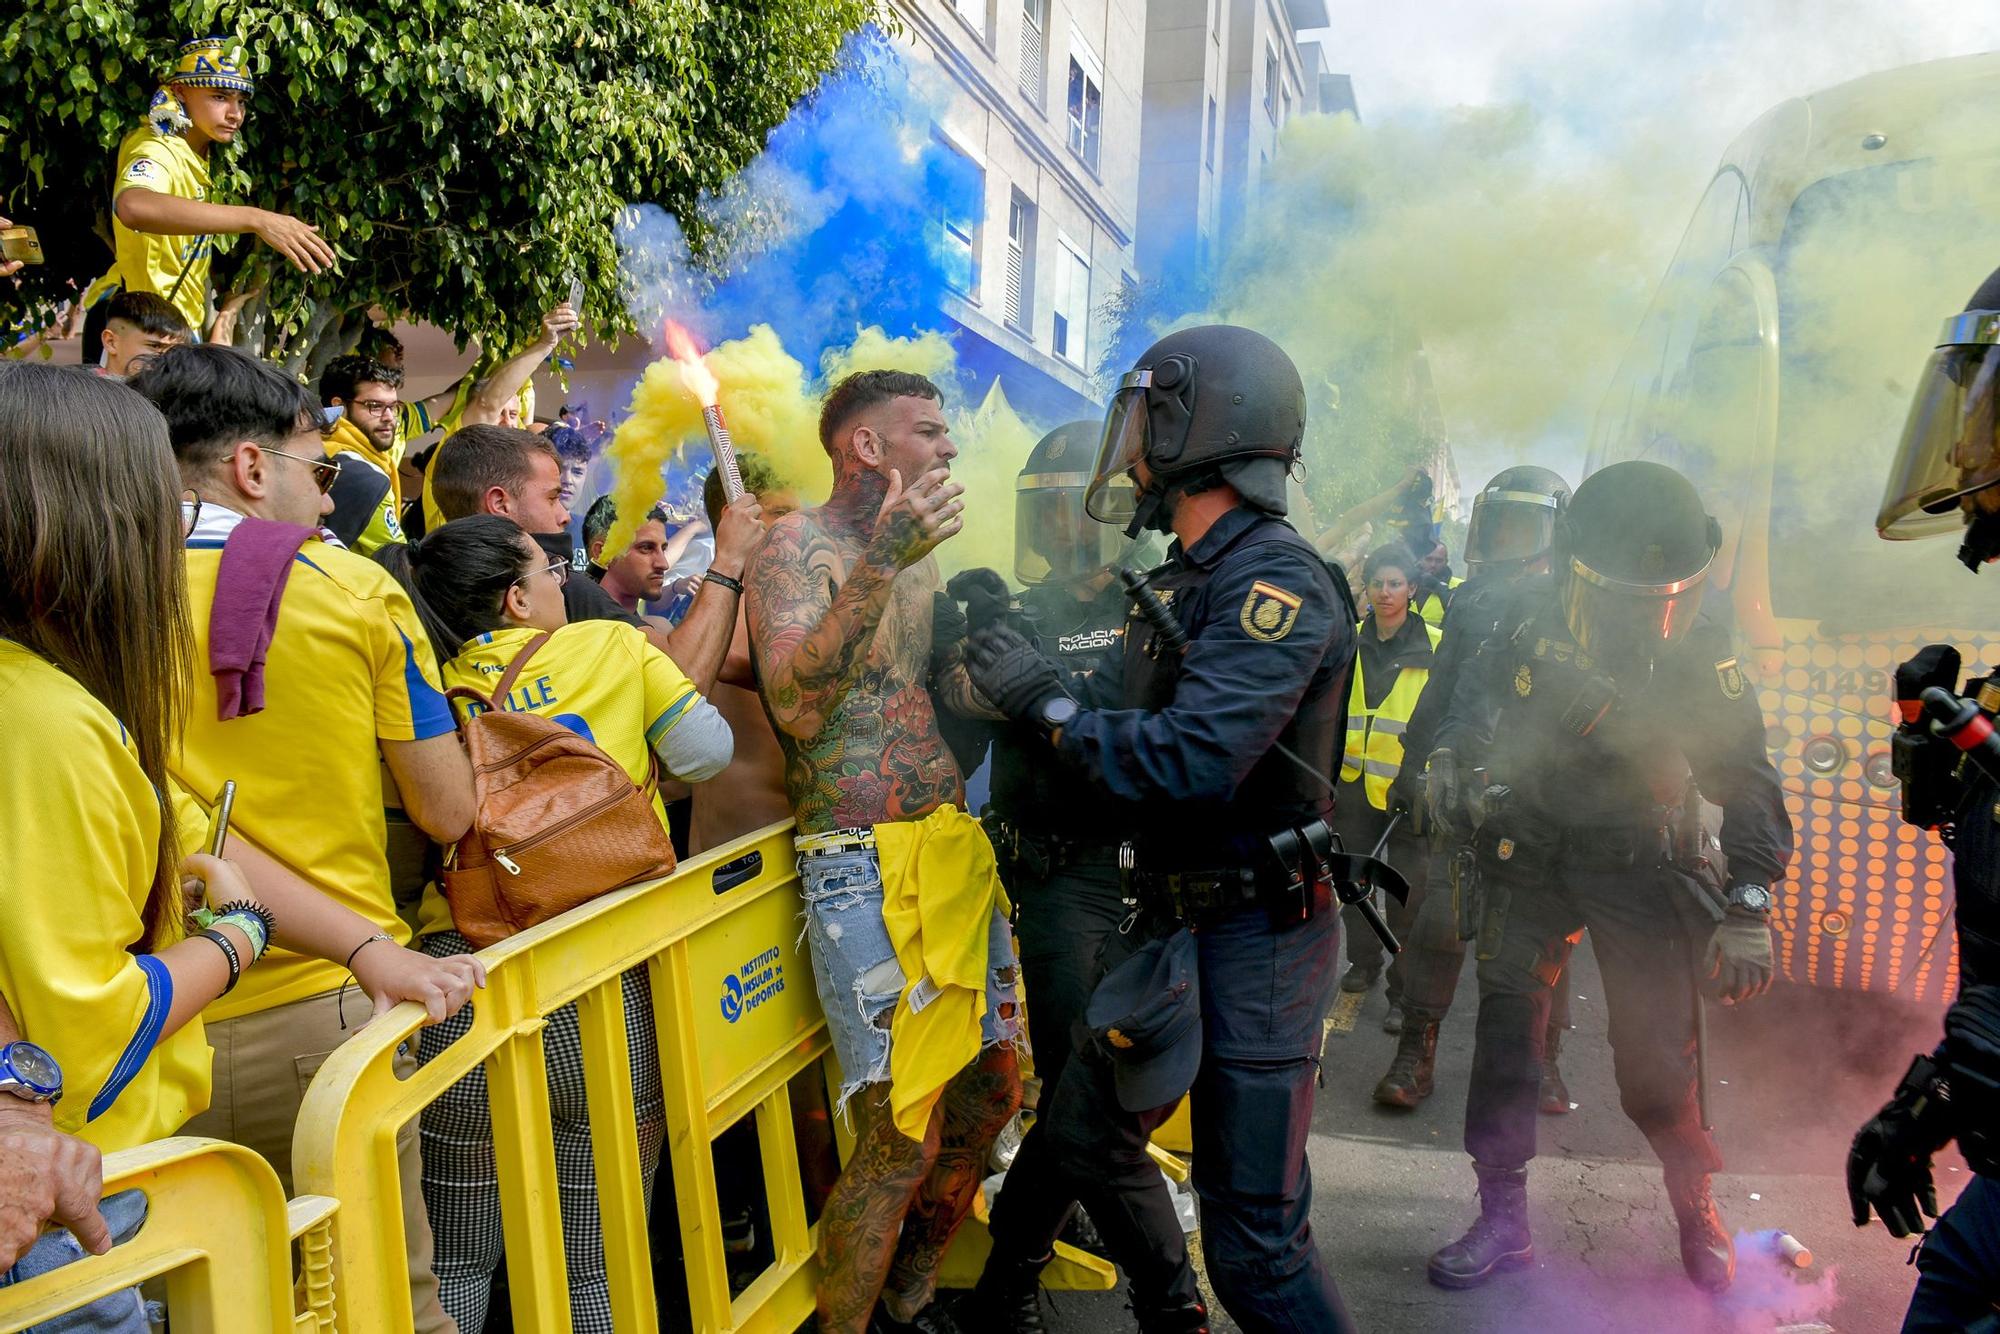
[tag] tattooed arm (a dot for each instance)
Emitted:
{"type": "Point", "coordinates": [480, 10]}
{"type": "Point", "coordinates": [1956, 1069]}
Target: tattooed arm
{"type": "Point", "coordinates": [809, 642]}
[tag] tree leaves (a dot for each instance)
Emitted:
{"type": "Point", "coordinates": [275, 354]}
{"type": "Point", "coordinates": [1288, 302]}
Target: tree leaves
{"type": "Point", "coordinates": [468, 153]}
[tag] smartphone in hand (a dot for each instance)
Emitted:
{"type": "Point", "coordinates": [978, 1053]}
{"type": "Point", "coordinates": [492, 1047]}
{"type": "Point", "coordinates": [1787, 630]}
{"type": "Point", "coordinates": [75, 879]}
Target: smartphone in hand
{"type": "Point", "coordinates": [20, 243]}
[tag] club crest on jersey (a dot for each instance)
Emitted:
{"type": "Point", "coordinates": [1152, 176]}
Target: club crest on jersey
{"type": "Point", "coordinates": [1730, 677]}
{"type": "Point", "coordinates": [1269, 612]}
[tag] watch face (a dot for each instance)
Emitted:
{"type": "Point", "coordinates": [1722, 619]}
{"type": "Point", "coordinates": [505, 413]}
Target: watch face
{"type": "Point", "coordinates": [1058, 711]}
{"type": "Point", "coordinates": [35, 1066]}
{"type": "Point", "coordinates": [1754, 897]}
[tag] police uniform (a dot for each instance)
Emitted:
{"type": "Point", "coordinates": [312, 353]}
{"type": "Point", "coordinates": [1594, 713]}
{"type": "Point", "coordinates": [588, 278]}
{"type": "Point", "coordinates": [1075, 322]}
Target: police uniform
{"type": "Point", "coordinates": [1582, 842]}
{"type": "Point", "coordinates": [1220, 721]}
{"type": "Point", "coordinates": [1057, 835]}
{"type": "Point", "coordinates": [1941, 482]}
{"type": "Point", "coordinates": [1195, 739]}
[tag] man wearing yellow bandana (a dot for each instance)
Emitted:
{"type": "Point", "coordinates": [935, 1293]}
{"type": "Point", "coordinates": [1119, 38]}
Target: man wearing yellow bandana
{"type": "Point", "coordinates": [910, 948]}
{"type": "Point", "coordinates": [162, 225]}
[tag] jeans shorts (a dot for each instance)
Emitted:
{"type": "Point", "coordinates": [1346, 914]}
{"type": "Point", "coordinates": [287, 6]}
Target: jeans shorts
{"type": "Point", "coordinates": [856, 972]}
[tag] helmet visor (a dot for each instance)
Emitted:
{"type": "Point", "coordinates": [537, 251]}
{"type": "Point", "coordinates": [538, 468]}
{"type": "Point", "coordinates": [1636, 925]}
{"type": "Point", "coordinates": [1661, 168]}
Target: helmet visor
{"type": "Point", "coordinates": [1615, 621]}
{"type": "Point", "coordinates": [1054, 540]}
{"type": "Point", "coordinates": [1509, 526]}
{"type": "Point", "coordinates": [1112, 496]}
{"type": "Point", "coordinates": [1949, 447]}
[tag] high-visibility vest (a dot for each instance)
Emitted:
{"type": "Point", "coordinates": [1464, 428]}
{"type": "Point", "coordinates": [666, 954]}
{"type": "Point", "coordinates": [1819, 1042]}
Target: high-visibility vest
{"type": "Point", "coordinates": [1374, 750]}
{"type": "Point", "coordinates": [1432, 607]}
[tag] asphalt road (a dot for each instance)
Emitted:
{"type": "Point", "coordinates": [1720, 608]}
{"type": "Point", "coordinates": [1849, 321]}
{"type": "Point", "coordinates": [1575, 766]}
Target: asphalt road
{"type": "Point", "coordinates": [1793, 1076]}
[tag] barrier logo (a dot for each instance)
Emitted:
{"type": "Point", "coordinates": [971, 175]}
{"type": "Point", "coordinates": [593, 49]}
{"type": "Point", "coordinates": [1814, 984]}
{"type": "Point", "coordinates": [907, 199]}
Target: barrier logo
{"type": "Point", "coordinates": [755, 981]}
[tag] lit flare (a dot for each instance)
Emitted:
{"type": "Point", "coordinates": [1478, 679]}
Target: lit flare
{"type": "Point", "coordinates": [701, 382]}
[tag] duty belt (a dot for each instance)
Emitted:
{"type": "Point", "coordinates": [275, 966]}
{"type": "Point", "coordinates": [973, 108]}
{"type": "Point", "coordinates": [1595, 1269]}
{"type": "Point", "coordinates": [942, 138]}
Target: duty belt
{"type": "Point", "coordinates": [1195, 896]}
{"type": "Point", "coordinates": [1044, 852]}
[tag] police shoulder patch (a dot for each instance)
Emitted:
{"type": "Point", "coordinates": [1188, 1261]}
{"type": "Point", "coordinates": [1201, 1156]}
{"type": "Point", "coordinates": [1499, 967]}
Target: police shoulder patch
{"type": "Point", "coordinates": [1524, 681]}
{"type": "Point", "coordinates": [1730, 676]}
{"type": "Point", "coordinates": [1269, 612]}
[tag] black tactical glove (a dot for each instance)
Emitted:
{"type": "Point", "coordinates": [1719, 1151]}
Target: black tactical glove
{"type": "Point", "coordinates": [1741, 961]}
{"type": "Point", "coordinates": [1441, 791]}
{"type": "Point", "coordinates": [1012, 673]}
{"type": "Point", "coordinates": [985, 594]}
{"type": "Point", "coordinates": [1889, 1166]}
{"type": "Point", "coordinates": [1407, 794]}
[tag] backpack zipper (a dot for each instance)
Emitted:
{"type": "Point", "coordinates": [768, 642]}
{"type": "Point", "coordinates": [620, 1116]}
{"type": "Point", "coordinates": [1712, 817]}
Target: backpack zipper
{"type": "Point", "coordinates": [513, 868]}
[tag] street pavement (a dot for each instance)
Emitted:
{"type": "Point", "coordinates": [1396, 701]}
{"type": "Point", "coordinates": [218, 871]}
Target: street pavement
{"type": "Point", "coordinates": [1793, 1076]}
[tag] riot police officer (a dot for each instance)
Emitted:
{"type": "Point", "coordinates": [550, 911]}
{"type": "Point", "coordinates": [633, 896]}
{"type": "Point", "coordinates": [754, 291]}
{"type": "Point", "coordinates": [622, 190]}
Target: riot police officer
{"type": "Point", "coordinates": [1513, 522]}
{"type": "Point", "coordinates": [1057, 836]}
{"type": "Point", "coordinates": [1588, 707]}
{"type": "Point", "coordinates": [1945, 475]}
{"type": "Point", "coordinates": [1220, 720]}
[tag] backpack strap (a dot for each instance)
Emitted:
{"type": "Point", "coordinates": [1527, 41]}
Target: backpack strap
{"type": "Point", "coordinates": [513, 672]}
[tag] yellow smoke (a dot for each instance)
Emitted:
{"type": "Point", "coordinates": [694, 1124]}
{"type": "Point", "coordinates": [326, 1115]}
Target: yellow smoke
{"type": "Point", "coordinates": [773, 409]}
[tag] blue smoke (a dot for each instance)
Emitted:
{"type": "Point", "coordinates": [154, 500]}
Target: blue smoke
{"type": "Point", "coordinates": [838, 224]}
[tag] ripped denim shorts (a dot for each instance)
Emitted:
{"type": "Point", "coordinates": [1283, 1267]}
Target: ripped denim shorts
{"type": "Point", "coordinates": [855, 968]}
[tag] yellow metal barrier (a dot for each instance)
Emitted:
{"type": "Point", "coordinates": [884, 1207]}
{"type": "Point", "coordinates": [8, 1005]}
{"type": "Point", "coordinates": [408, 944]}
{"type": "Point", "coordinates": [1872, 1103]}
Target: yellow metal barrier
{"type": "Point", "coordinates": [737, 1018]}
{"type": "Point", "coordinates": [218, 1228]}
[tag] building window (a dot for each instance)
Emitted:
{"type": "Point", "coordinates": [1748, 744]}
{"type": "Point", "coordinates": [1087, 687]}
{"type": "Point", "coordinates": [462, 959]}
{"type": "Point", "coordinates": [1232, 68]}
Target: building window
{"type": "Point", "coordinates": [1020, 299]}
{"type": "Point", "coordinates": [1271, 82]}
{"type": "Point", "coordinates": [1208, 138]}
{"type": "Point", "coordinates": [1072, 304]}
{"type": "Point", "coordinates": [957, 223]}
{"type": "Point", "coordinates": [1035, 52]}
{"type": "Point", "coordinates": [974, 14]}
{"type": "Point", "coordinates": [1086, 109]}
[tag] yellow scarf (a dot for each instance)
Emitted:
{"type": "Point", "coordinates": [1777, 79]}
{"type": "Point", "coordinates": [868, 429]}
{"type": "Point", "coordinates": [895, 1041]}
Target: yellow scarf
{"type": "Point", "coordinates": [347, 438]}
{"type": "Point", "coordinates": [940, 889]}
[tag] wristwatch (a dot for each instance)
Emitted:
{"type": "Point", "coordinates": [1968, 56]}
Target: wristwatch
{"type": "Point", "coordinates": [1058, 713]}
{"type": "Point", "coordinates": [1751, 899]}
{"type": "Point", "coordinates": [30, 1073]}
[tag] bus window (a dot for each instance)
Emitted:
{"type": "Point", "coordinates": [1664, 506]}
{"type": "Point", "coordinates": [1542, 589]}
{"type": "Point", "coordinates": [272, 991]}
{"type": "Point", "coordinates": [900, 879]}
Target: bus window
{"type": "Point", "coordinates": [1870, 264]}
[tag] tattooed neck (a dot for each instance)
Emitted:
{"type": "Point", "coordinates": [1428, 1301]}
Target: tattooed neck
{"type": "Point", "coordinates": [857, 498]}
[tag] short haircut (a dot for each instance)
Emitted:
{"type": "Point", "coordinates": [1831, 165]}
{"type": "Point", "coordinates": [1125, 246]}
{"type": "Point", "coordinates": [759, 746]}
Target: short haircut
{"type": "Point", "coordinates": [1390, 556]}
{"type": "Point", "coordinates": [760, 477]}
{"type": "Point", "coordinates": [598, 519]}
{"type": "Point", "coordinates": [569, 443]}
{"type": "Point", "coordinates": [214, 396]}
{"type": "Point", "coordinates": [478, 458]}
{"type": "Point", "coordinates": [344, 375]}
{"type": "Point", "coordinates": [148, 312]}
{"type": "Point", "coordinates": [377, 339]}
{"type": "Point", "coordinates": [864, 390]}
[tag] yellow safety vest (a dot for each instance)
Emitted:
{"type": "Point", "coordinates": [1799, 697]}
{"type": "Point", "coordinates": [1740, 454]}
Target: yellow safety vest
{"type": "Point", "coordinates": [1374, 751]}
{"type": "Point", "coordinates": [1431, 607]}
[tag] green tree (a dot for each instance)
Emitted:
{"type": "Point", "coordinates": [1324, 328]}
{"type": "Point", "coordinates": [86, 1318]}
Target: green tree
{"type": "Point", "coordinates": [464, 157]}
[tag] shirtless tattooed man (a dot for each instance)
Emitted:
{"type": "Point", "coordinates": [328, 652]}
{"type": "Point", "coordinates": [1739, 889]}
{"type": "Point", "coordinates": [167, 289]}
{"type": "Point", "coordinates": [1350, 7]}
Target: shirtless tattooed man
{"type": "Point", "coordinates": [839, 601]}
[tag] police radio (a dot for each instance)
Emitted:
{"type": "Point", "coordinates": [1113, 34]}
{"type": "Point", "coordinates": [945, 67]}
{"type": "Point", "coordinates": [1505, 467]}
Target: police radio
{"type": "Point", "coordinates": [1924, 763]}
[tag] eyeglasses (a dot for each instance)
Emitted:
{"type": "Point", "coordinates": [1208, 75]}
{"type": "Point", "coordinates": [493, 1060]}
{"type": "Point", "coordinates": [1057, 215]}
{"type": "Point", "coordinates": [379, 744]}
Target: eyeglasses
{"type": "Point", "coordinates": [324, 470]}
{"type": "Point", "coordinates": [560, 569]}
{"type": "Point", "coordinates": [376, 406]}
{"type": "Point", "coordinates": [190, 512]}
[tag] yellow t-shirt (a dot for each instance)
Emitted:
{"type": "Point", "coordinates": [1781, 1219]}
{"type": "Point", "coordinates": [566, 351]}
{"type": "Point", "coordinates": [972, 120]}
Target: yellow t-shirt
{"type": "Point", "coordinates": [76, 866]}
{"type": "Point", "coordinates": [145, 262]}
{"type": "Point", "coordinates": [602, 679]}
{"type": "Point", "coordinates": [349, 664]}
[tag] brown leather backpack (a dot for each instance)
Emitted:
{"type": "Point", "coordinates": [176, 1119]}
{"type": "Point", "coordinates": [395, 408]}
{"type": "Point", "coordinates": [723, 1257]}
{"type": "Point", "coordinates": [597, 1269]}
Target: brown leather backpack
{"type": "Point", "coordinates": [557, 823]}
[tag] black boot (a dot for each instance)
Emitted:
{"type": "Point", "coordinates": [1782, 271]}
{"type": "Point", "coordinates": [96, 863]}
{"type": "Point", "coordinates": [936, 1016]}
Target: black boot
{"type": "Point", "coordinates": [1708, 1253]}
{"type": "Point", "coordinates": [1498, 1238]}
{"type": "Point", "coordinates": [933, 1319]}
{"type": "Point", "coordinates": [1007, 1299]}
{"type": "Point", "coordinates": [1189, 1319]}
{"type": "Point", "coordinates": [1360, 977]}
{"type": "Point", "coordinates": [1555, 1093]}
{"type": "Point", "coordinates": [1410, 1073]}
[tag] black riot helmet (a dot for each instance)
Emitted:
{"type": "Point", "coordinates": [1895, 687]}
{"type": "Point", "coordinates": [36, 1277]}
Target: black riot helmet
{"type": "Point", "coordinates": [1632, 550]}
{"type": "Point", "coordinates": [1054, 540]}
{"type": "Point", "coordinates": [1513, 520]}
{"type": "Point", "coordinates": [1214, 398]}
{"type": "Point", "coordinates": [1950, 453]}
